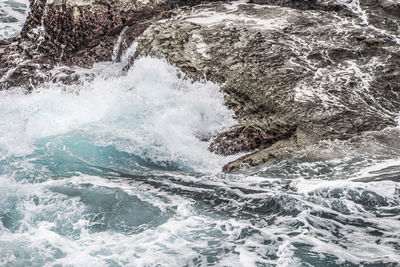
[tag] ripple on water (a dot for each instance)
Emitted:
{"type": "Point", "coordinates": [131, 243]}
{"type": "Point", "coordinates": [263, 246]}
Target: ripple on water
{"type": "Point", "coordinates": [113, 173]}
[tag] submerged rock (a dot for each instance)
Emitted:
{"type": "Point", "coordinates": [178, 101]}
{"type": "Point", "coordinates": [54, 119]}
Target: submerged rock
{"type": "Point", "coordinates": [293, 76]}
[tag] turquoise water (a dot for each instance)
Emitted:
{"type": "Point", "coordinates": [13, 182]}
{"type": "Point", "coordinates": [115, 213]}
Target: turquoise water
{"type": "Point", "coordinates": [113, 172]}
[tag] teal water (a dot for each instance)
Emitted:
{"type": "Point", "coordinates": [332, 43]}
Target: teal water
{"type": "Point", "coordinates": [113, 172]}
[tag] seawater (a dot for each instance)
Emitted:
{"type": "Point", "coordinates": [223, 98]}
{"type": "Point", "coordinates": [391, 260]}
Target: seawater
{"type": "Point", "coordinates": [12, 17]}
{"type": "Point", "coordinates": [115, 172]}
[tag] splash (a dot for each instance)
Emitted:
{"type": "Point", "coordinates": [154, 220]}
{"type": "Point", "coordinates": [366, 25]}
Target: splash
{"type": "Point", "coordinates": [149, 112]}
{"type": "Point", "coordinates": [13, 14]}
{"type": "Point", "coordinates": [116, 171]}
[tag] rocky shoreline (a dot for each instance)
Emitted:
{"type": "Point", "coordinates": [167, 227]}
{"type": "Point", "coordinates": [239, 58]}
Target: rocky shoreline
{"type": "Point", "coordinates": [74, 33]}
{"type": "Point", "coordinates": [294, 72]}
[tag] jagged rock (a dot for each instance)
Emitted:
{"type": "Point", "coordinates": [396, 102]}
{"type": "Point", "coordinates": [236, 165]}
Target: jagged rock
{"type": "Point", "coordinates": [294, 72]}
{"type": "Point", "coordinates": [294, 75]}
{"type": "Point", "coordinates": [74, 33]}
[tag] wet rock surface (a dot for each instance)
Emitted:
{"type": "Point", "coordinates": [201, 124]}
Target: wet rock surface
{"type": "Point", "coordinates": [69, 32]}
{"type": "Point", "coordinates": [74, 33]}
{"type": "Point", "coordinates": [295, 74]}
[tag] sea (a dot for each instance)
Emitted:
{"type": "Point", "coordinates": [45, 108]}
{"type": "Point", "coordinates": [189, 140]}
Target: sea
{"type": "Point", "coordinates": [115, 171]}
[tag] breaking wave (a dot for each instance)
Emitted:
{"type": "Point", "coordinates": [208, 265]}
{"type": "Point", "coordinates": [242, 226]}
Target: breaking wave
{"type": "Point", "coordinates": [116, 171]}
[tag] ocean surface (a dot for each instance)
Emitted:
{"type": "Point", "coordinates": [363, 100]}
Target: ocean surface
{"type": "Point", "coordinates": [113, 172]}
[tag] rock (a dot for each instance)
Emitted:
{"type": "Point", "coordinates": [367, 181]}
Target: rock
{"type": "Point", "coordinates": [74, 33]}
{"type": "Point", "coordinates": [294, 73]}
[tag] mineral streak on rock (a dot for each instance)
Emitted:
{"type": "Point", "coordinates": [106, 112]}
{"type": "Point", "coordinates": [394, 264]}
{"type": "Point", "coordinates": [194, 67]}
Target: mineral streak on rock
{"type": "Point", "coordinates": [294, 75]}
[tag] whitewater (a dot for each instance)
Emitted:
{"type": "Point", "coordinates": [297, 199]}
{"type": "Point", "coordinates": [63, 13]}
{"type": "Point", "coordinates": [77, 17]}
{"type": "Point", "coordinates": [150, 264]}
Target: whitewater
{"type": "Point", "coordinates": [116, 171]}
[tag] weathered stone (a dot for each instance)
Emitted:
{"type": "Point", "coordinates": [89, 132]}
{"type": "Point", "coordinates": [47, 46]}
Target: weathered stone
{"type": "Point", "coordinates": [293, 76]}
{"type": "Point", "coordinates": [74, 33]}
{"type": "Point", "coordinates": [295, 72]}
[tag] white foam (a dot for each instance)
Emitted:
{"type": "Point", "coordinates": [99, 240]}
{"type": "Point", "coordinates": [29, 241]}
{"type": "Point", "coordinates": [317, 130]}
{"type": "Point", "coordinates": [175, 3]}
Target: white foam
{"type": "Point", "coordinates": [185, 236]}
{"type": "Point", "coordinates": [385, 188]}
{"type": "Point", "coordinates": [385, 167]}
{"type": "Point", "coordinates": [18, 11]}
{"type": "Point", "coordinates": [149, 112]}
{"type": "Point", "coordinates": [200, 46]}
{"type": "Point", "coordinates": [176, 242]}
{"type": "Point", "coordinates": [355, 7]}
{"type": "Point", "coordinates": [214, 18]}
{"type": "Point", "coordinates": [117, 45]}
